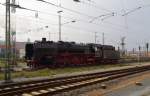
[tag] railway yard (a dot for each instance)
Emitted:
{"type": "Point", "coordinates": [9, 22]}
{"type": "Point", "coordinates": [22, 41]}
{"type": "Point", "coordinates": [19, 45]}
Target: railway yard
{"type": "Point", "coordinates": [113, 81]}
{"type": "Point", "coordinates": [74, 48]}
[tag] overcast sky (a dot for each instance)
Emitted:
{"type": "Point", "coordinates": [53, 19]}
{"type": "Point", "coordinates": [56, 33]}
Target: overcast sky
{"type": "Point", "coordinates": [135, 26]}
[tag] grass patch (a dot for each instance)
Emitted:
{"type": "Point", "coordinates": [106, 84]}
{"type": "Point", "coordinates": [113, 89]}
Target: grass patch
{"type": "Point", "coordinates": [57, 71]}
{"type": "Point", "coordinates": [2, 63]}
{"type": "Point", "coordinates": [52, 72]}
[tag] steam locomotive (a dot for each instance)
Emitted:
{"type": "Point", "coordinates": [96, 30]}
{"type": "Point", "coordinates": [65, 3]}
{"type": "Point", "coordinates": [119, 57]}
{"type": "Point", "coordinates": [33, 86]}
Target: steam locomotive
{"type": "Point", "coordinates": [59, 54]}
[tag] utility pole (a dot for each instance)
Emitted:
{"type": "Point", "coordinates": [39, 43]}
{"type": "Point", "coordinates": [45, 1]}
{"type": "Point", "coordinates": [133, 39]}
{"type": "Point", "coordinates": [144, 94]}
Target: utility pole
{"type": "Point", "coordinates": [59, 21]}
{"type": "Point", "coordinates": [103, 38]}
{"type": "Point", "coordinates": [8, 43]}
{"type": "Point", "coordinates": [59, 17]}
{"type": "Point", "coordinates": [139, 55]}
{"type": "Point", "coordinates": [123, 45]}
{"type": "Point", "coordinates": [133, 50]}
{"type": "Point", "coordinates": [95, 37]}
{"type": "Point", "coordinates": [147, 47]}
{"type": "Point", "coordinates": [49, 35]}
{"type": "Point", "coordinates": [28, 40]}
{"type": "Point", "coordinates": [13, 30]}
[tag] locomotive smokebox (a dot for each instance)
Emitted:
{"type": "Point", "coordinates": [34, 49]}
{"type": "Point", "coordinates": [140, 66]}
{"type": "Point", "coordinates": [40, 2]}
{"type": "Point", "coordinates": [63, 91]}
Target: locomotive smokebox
{"type": "Point", "coordinates": [43, 39]}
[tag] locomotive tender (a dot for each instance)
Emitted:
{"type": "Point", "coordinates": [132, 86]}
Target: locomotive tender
{"type": "Point", "coordinates": [57, 54]}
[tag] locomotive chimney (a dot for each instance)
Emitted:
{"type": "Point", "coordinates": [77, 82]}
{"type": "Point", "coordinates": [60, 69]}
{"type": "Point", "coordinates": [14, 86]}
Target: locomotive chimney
{"type": "Point", "coordinates": [43, 39]}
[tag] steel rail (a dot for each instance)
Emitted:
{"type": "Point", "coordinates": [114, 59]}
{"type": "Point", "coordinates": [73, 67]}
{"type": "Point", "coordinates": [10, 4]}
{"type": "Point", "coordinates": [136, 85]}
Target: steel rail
{"type": "Point", "coordinates": [58, 78]}
{"type": "Point", "coordinates": [28, 87]}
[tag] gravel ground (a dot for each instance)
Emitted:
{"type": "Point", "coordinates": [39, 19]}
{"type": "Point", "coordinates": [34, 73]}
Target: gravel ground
{"type": "Point", "coordinates": [126, 87]}
{"type": "Point", "coordinates": [96, 90]}
{"type": "Point", "coordinates": [147, 93]}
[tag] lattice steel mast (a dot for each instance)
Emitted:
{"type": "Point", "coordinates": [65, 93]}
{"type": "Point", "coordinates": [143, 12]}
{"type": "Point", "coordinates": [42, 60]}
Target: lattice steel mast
{"type": "Point", "coordinates": [8, 43]}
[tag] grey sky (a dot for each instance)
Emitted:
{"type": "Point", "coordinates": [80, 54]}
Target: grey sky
{"type": "Point", "coordinates": [134, 26]}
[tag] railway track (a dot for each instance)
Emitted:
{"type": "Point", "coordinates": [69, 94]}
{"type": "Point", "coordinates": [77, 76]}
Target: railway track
{"type": "Point", "coordinates": [62, 84]}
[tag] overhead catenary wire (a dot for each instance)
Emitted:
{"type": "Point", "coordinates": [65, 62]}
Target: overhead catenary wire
{"type": "Point", "coordinates": [125, 17]}
{"type": "Point", "coordinates": [88, 22]}
{"type": "Point", "coordinates": [54, 24]}
{"type": "Point", "coordinates": [74, 11]}
{"type": "Point", "coordinates": [41, 20]}
{"type": "Point", "coordinates": [73, 27]}
{"type": "Point", "coordinates": [76, 28]}
{"type": "Point", "coordinates": [56, 15]}
{"type": "Point", "coordinates": [108, 14]}
{"type": "Point", "coordinates": [68, 26]}
{"type": "Point", "coordinates": [133, 10]}
{"type": "Point", "coordinates": [97, 6]}
{"type": "Point", "coordinates": [114, 13]}
{"type": "Point", "coordinates": [69, 9]}
{"type": "Point", "coordinates": [111, 13]}
{"type": "Point", "coordinates": [20, 7]}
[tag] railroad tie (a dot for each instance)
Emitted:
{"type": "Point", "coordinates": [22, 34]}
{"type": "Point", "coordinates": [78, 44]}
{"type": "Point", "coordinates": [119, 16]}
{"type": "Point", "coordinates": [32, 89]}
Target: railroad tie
{"type": "Point", "coordinates": [35, 93]}
{"type": "Point", "coordinates": [50, 89]}
{"type": "Point", "coordinates": [44, 91]}
{"type": "Point", "coordinates": [26, 94]}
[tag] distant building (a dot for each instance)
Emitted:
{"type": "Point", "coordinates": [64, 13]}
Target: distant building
{"type": "Point", "coordinates": [137, 53]}
{"type": "Point", "coordinates": [21, 53]}
{"type": "Point", "coordinates": [20, 49]}
{"type": "Point", "coordinates": [2, 51]}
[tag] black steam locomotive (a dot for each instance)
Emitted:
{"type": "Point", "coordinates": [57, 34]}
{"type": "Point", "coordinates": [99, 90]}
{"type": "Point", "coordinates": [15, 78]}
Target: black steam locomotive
{"type": "Point", "coordinates": [56, 54]}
